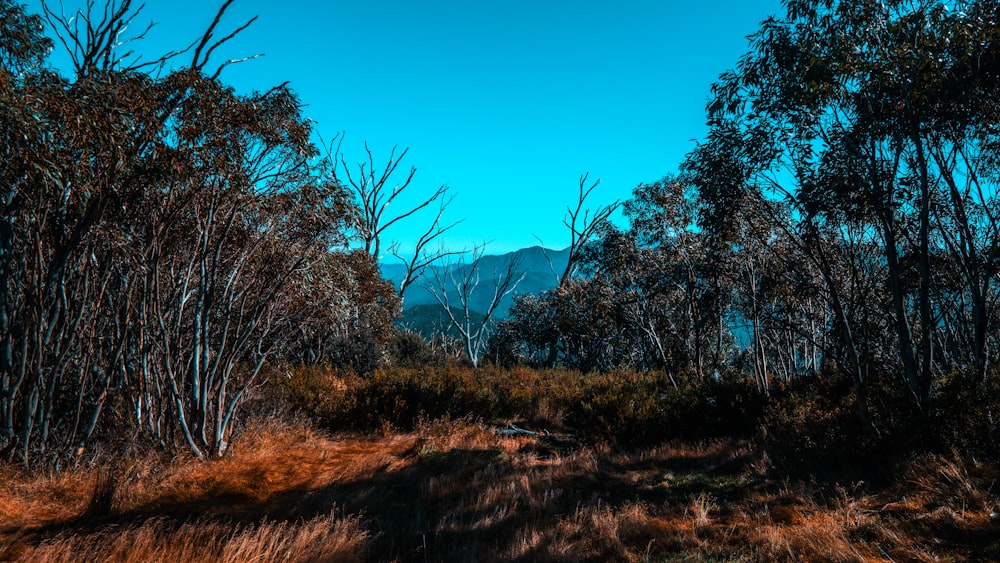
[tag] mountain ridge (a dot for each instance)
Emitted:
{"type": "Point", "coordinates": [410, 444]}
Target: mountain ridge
{"type": "Point", "coordinates": [540, 267]}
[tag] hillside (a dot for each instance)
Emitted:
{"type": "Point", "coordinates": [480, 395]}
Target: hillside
{"type": "Point", "coordinates": [540, 267]}
{"type": "Point", "coordinates": [430, 320]}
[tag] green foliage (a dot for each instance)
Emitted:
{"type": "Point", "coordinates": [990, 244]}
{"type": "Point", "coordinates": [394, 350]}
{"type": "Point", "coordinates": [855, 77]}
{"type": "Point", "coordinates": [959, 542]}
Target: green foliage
{"type": "Point", "coordinates": [874, 123]}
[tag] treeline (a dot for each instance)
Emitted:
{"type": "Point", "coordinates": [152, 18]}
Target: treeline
{"type": "Point", "coordinates": [830, 249]}
{"type": "Point", "coordinates": [838, 221]}
{"type": "Point", "coordinates": [161, 238]}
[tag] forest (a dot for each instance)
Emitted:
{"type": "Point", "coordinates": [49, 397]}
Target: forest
{"type": "Point", "coordinates": [783, 350]}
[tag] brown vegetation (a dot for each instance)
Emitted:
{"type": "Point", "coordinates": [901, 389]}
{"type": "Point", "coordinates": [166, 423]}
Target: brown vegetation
{"type": "Point", "coordinates": [459, 491]}
{"type": "Point", "coordinates": [765, 364]}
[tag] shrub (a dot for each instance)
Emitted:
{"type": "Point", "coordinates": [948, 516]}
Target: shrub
{"type": "Point", "coordinates": [360, 354]}
{"type": "Point", "coordinates": [625, 406]}
{"type": "Point", "coordinates": [966, 415]}
{"type": "Point", "coordinates": [409, 349]}
{"type": "Point", "coordinates": [645, 407]}
{"type": "Point", "coordinates": [813, 426]}
{"type": "Point", "coordinates": [402, 396]}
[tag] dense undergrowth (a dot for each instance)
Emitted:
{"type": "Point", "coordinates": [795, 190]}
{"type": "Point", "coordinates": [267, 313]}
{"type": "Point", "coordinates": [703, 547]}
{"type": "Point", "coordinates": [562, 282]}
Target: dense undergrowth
{"type": "Point", "coordinates": [625, 407]}
{"type": "Point", "coordinates": [412, 464]}
{"type": "Point", "coordinates": [810, 427]}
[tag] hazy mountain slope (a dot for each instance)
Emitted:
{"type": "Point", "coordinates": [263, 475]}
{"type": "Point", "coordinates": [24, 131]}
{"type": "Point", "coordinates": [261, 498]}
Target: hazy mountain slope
{"type": "Point", "coordinates": [539, 275]}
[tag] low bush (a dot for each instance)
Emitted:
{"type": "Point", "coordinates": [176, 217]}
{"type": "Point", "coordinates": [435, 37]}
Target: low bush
{"type": "Point", "coordinates": [402, 396]}
{"type": "Point", "coordinates": [623, 406]}
{"type": "Point", "coordinates": [966, 415]}
{"type": "Point", "coordinates": [814, 426]}
{"type": "Point", "coordinates": [410, 350]}
{"type": "Point", "coordinates": [646, 407]}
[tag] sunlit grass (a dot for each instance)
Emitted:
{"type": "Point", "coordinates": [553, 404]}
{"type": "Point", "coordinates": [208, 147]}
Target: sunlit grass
{"type": "Point", "coordinates": [457, 491]}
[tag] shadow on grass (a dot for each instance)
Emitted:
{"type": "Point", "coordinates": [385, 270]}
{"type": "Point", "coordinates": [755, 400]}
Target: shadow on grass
{"type": "Point", "coordinates": [519, 501]}
{"type": "Point", "coordinates": [455, 505]}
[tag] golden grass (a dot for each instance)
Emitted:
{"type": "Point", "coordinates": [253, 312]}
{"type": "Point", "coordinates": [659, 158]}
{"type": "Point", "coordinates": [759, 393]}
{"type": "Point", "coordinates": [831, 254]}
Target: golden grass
{"type": "Point", "coordinates": [324, 538]}
{"type": "Point", "coordinates": [460, 492]}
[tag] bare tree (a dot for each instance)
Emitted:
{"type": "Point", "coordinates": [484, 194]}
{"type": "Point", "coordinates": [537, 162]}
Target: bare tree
{"type": "Point", "coordinates": [461, 280]}
{"type": "Point", "coordinates": [375, 192]}
{"type": "Point", "coordinates": [583, 225]}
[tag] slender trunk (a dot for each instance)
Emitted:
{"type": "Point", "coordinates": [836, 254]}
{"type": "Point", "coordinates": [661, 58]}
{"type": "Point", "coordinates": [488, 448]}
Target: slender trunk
{"type": "Point", "coordinates": [6, 338]}
{"type": "Point", "coordinates": [926, 315]}
{"type": "Point", "coordinates": [904, 342]}
{"type": "Point", "coordinates": [854, 366]}
{"type": "Point", "coordinates": [973, 263]}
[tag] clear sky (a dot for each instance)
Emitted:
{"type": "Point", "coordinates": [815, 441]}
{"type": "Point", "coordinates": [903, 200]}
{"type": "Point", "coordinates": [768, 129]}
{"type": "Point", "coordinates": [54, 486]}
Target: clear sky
{"type": "Point", "coordinates": [508, 102]}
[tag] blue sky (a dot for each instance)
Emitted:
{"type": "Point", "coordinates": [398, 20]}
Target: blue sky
{"type": "Point", "coordinates": [508, 102]}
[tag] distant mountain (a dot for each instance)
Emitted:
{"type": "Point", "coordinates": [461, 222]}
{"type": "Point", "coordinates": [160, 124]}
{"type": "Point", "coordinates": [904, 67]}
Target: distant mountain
{"type": "Point", "coordinates": [540, 267]}
{"type": "Point", "coordinates": [431, 320]}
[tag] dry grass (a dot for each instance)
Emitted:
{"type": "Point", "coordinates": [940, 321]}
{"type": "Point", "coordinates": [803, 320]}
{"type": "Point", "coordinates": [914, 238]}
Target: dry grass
{"type": "Point", "coordinates": [460, 492]}
{"type": "Point", "coordinates": [324, 538]}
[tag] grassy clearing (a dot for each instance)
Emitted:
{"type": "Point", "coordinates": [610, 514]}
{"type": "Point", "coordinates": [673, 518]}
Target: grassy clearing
{"type": "Point", "coordinates": [461, 492]}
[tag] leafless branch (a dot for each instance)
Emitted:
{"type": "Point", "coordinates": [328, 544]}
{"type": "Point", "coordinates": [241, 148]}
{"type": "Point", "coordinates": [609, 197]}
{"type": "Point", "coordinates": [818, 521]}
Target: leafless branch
{"type": "Point", "coordinates": [582, 225]}
{"type": "Point", "coordinates": [370, 185]}
{"type": "Point", "coordinates": [462, 280]}
{"type": "Point", "coordinates": [421, 258]}
{"type": "Point", "coordinates": [199, 61]}
{"type": "Point", "coordinates": [92, 39]}
{"type": "Point", "coordinates": [548, 259]}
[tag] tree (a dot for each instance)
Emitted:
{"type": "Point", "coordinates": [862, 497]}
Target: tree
{"type": "Point", "coordinates": [153, 228]}
{"type": "Point", "coordinates": [583, 225]}
{"type": "Point", "coordinates": [456, 285]}
{"type": "Point", "coordinates": [673, 305]}
{"type": "Point", "coordinates": [340, 313]}
{"type": "Point", "coordinates": [856, 113]}
{"type": "Point", "coordinates": [630, 298]}
{"type": "Point", "coordinates": [371, 189]}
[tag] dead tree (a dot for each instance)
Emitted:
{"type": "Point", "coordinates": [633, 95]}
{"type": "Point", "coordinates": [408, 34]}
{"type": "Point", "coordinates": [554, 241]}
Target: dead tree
{"type": "Point", "coordinates": [456, 284]}
{"type": "Point", "coordinates": [375, 192]}
{"type": "Point", "coordinates": [583, 225]}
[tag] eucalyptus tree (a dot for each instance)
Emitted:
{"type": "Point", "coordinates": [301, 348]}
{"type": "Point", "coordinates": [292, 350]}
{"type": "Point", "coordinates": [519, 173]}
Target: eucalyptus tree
{"type": "Point", "coordinates": [23, 49]}
{"type": "Point", "coordinates": [630, 297]}
{"type": "Point", "coordinates": [662, 219]}
{"type": "Point", "coordinates": [153, 226]}
{"type": "Point", "coordinates": [224, 245]}
{"type": "Point", "coordinates": [857, 113]}
{"type": "Point", "coordinates": [584, 224]}
{"type": "Point", "coordinates": [76, 150]}
{"type": "Point", "coordinates": [340, 313]}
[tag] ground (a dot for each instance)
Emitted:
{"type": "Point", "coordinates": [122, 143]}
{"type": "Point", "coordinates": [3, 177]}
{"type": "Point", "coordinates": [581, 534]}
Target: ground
{"type": "Point", "coordinates": [461, 491]}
